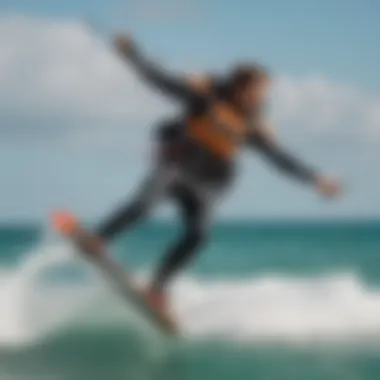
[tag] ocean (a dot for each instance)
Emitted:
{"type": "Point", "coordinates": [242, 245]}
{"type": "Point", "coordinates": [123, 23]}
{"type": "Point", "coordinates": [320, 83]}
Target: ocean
{"type": "Point", "coordinates": [265, 300]}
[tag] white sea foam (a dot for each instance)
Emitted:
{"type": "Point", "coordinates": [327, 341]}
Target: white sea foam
{"type": "Point", "coordinates": [268, 307]}
{"type": "Point", "coordinates": [275, 307]}
{"type": "Point", "coordinates": [29, 310]}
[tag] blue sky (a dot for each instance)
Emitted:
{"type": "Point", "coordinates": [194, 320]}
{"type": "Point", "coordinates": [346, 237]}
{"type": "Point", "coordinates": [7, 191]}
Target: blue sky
{"type": "Point", "coordinates": [75, 122]}
{"type": "Point", "coordinates": [338, 38]}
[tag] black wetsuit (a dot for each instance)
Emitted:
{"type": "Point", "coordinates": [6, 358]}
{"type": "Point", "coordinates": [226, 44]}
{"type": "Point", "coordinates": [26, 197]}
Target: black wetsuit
{"type": "Point", "coordinates": [192, 176]}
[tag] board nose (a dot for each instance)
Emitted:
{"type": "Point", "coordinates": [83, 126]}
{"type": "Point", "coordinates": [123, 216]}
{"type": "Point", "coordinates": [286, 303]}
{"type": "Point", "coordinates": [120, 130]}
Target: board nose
{"type": "Point", "coordinates": [64, 222]}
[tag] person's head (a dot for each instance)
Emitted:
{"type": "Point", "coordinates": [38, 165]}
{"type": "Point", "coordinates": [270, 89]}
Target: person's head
{"type": "Point", "coordinates": [249, 86]}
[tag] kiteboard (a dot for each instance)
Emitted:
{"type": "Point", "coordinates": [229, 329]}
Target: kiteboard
{"type": "Point", "coordinates": [68, 226]}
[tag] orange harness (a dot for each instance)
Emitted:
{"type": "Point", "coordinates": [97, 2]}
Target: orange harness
{"type": "Point", "coordinates": [221, 130]}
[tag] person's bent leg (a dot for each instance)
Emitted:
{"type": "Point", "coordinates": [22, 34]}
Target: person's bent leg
{"type": "Point", "coordinates": [195, 213]}
{"type": "Point", "coordinates": [123, 219]}
{"type": "Point", "coordinates": [177, 257]}
{"type": "Point", "coordinates": [135, 211]}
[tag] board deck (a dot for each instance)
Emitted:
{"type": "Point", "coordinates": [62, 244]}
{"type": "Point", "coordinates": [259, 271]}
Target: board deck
{"type": "Point", "coordinates": [68, 227]}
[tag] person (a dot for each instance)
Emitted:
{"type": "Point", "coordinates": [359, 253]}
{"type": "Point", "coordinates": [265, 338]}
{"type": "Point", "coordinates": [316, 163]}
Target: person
{"type": "Point", "coordinates": [197, 157]}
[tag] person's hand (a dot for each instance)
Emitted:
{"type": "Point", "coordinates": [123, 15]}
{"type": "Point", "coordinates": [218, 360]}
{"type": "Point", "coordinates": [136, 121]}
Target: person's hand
{"type": "Point", "coordinates": [124, 44]}
{"type": "Point", "coordinates": [202, 83]}
{"type": "Point", "coordinates": [328, 187]}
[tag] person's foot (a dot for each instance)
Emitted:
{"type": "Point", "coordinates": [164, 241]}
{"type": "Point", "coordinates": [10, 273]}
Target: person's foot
{"type": "Point", "coordinates": [157, 300]}
{"type": "Point", "coordinates": [90, 245]}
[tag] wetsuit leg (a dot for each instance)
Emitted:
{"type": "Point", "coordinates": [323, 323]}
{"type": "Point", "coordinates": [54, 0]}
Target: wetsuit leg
{"type": "Point", "coordinates": [195, 213]}
{"type": "Point", "coordinates": [125, 217]}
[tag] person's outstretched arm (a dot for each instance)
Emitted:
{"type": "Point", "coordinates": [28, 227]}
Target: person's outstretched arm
{"type": "Point", "coordinates": [169, 84]}
{"type": "Point", "coordinates": [262, 139]}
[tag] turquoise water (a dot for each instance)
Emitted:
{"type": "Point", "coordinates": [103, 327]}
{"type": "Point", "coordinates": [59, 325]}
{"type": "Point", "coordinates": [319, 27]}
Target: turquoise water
{"type": "Point", "coordinates": [285, 300]}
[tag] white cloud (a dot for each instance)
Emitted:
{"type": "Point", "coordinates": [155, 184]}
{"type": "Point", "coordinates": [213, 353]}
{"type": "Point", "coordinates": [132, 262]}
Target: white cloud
{"type": "Point", "coordinates": [320, 107]}
{"type": "Point", "coordinates": [59, 80]}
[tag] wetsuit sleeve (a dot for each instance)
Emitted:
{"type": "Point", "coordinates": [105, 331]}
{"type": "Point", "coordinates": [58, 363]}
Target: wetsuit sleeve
{"type": "Point", "coordinates": [177, 88]}
{"type": "Point", "coordinates": [280, 158]}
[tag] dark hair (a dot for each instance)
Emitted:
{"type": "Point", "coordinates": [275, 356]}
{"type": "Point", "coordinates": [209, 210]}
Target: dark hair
{"type": "Point", "coordinates": [245, 74]}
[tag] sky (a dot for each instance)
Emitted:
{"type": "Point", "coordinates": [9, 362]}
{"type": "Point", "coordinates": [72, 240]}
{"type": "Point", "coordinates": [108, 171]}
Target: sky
{"type": "Point", "coordinates": [75, 122]}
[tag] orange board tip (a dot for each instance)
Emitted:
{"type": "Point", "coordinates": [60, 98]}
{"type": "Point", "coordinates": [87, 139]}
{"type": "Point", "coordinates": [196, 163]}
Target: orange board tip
{"type": "Point", "coordinates": [64, 222]}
